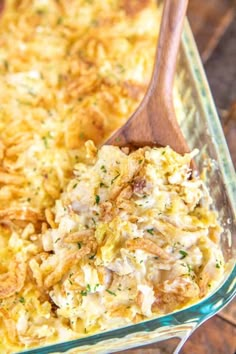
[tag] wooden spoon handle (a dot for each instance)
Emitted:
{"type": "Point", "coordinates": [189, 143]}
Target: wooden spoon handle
{"type": "Point", "coordinates": [168, 44]}
{"type": "Point", "coordinates": [154, 122]}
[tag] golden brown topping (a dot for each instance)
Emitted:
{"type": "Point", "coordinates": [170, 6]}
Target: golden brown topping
{"type": "Point", "coordinates": [50, 217]}
{"type": "Point", "coordinates": [106, 211]}
{"type": "Point", "coordinates": [171, 294]}
{"type": "Point", "coordinates": [7, 178]}
{"type": "Point", "coordinates": [13, 281]}
{"type": "Point", "coordinates": [147, 246]}
{"type": "Point", "coordinates": [22, 217]}
{"type": "Point", "coordinates": [83, 235]}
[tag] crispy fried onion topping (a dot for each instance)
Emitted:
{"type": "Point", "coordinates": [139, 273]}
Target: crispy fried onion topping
{"type": "Point", "coordinates": [50, 269]}
{"type": "Point", "coordinates": [13, 281]}
{"type": "Point", "coordinates": [147, 246]}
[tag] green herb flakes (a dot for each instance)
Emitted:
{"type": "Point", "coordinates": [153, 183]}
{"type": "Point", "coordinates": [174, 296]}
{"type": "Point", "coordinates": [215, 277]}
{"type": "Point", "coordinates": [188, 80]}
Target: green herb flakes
{"type": "Point", "coordinates": [150, 231]}
{"type": "Point", "coordinates": [113, 179]}
{"type": "Point", "coordinates": [110, 292]}
{"type": "Point", "coordinates": [92, 257]}
{"type": "Point", "coordinates": [183, 254]}
{"type": "Point", "coordinates": [22, 300]}
{"type": "Point", "coordinates": [97, 199]}
{"type": "Point", "coordinates": [103, 168]}
{"type": "Point", "coordinates": [83, 293]}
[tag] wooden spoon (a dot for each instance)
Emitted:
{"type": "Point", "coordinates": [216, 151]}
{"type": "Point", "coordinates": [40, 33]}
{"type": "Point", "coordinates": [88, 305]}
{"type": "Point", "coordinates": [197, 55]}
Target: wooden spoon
{"type": "Point", "coordinates": [154, 122]}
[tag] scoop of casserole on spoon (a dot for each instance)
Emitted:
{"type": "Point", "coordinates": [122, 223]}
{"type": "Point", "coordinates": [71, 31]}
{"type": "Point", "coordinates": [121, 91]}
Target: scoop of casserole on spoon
{"type": "Point", "coordinates": [154, 122]}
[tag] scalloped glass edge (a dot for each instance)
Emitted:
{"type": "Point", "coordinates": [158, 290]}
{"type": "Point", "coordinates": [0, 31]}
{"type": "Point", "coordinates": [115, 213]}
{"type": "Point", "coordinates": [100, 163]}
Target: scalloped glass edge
{"type": "Point", "coordinates": [180, 323]}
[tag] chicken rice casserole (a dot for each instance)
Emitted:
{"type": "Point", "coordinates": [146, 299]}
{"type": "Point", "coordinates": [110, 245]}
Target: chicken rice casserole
{"type": "Point", "coordinates": [90, 239]}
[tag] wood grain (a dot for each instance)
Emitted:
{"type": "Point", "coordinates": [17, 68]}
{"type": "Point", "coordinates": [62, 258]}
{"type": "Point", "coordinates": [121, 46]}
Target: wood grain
{"type": "Point", "coordinates": [229, 126]}
{"type": "Point", "coordinates": [229, 313]}
{"type": "Point", "coordinates": [221, 72]}
{"type": "Point", "coordinates": [154, 122]}
{"type": "Point", "coordinates": [209, 20]}
{"type": "Point", "coordinates": [215, 336]}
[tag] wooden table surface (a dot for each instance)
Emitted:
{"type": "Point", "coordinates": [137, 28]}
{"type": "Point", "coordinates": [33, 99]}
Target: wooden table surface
{"type": "Point", "coordinates": [214, 25]}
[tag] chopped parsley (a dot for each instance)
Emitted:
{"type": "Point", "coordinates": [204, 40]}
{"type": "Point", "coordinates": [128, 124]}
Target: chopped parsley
{"type": "Point", "coordinates": [92, 257]}
{"type": "Point", "coordinates": [113, 179]}
{"type": "Point", "coordinates": [83, 292]}
{"type": "Point", "coordinates": [110, 292]}
{"type": "Point", "coordinates": [45, 140]}
{"type": "Point", "coordinates": [103, 168]}
{"type": "Point", "coordinates": [79, 245]}
{"type": "Point", "coordinates": [150, 231]}
{"type": "Point", "coordinates": [183, 254]}
{"type": "Point", "coordinates": [96, 286]}
{"type": "Point", "coordinates": [189, 268]}
{"type": "Point", "coordinates": [176, 244]}
{"type": "Point", "coordinates": [97, 199]}
{"type": "Point", "coordinates": [102, 185]}
{"type": "Point", "coordinates": [22, 300]}
{"type": "Point", "coordinates": [75, 185]}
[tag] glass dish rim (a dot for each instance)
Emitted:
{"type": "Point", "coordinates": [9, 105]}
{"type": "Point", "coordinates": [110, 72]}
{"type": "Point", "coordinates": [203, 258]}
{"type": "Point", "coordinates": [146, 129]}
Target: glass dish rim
{"type": "Point", "coordinates": [209, 306]}
{"type": "Point", "coordinates": [200, 312]}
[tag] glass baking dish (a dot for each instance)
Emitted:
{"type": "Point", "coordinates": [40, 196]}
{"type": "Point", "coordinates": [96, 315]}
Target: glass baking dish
{"type": "Point", "coordinates": [200, 124]}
